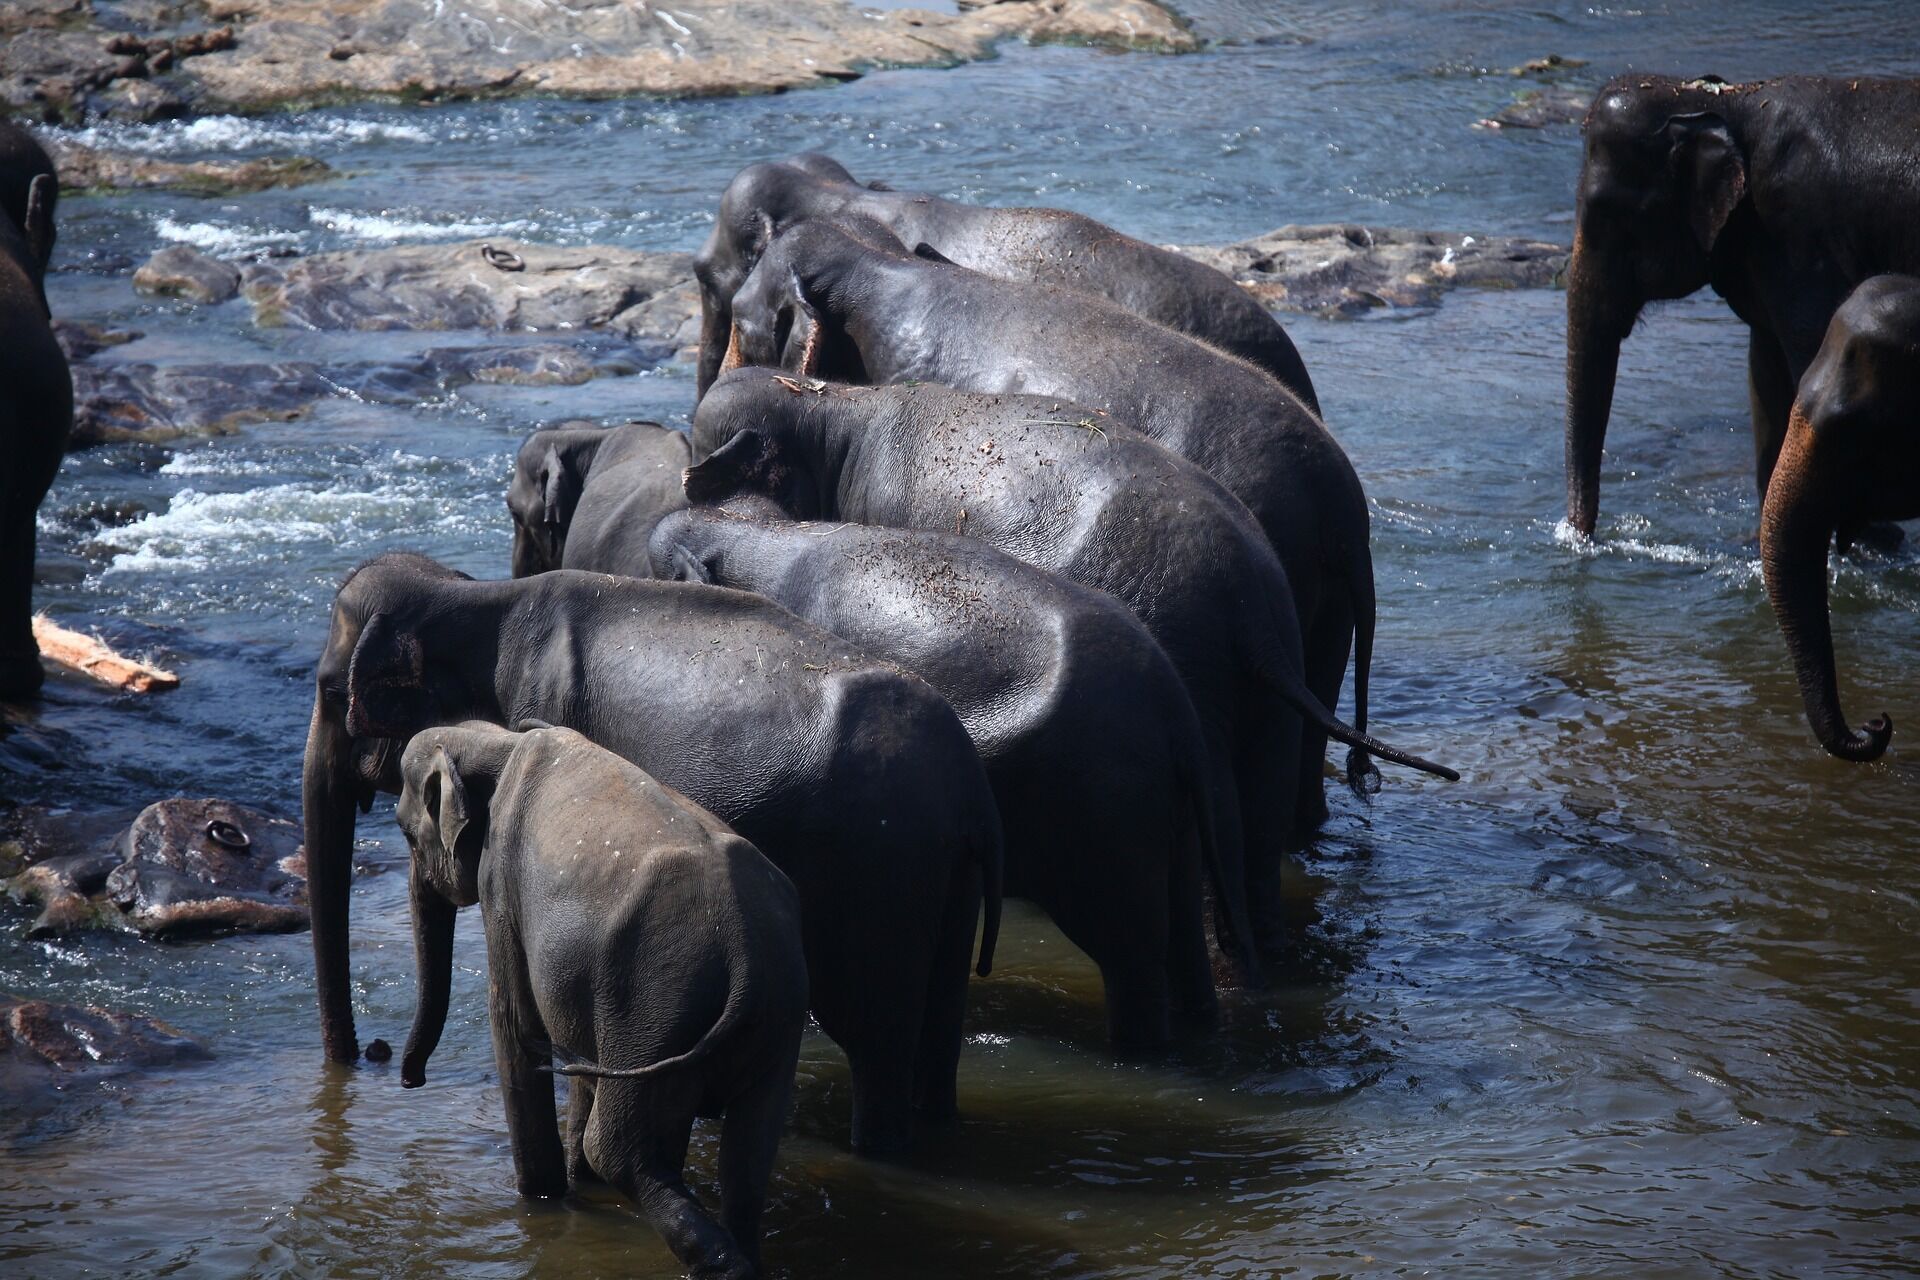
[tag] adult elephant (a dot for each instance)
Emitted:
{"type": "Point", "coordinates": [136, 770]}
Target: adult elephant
{"type": "Point", "coordinates": [1051, 484]}
{"type": "Point", "coordinates": [36, 404]}
{"type": "Point", "coordinates": [850, 303]}
{"type": "Point", "coordinates": [855, 778]}
{"type": "Point", "coordinates": [1783, 195]}
{"type": "Point", "coordinates": [1850, 457]}
{"type": "Point", "coordinates": [1097, 760]}
{"type": "Point", "coordinates": [1050, 246]}
{"type": "Point", "coordinates": [581, 494]}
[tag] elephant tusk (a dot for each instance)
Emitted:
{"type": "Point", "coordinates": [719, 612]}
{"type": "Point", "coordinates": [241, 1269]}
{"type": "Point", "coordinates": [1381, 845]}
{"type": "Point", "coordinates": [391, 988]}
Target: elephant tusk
{"type": "Point", "coordinates": [733, 359]}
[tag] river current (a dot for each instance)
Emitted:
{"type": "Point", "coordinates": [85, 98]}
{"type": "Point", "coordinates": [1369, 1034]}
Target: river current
{"type": "Point", "coordinates": [1637, 997]}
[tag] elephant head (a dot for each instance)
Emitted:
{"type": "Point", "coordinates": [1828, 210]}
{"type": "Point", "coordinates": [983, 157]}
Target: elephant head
{"type": "Point", "coordinates": [1837, 473]}
{"type": "Point", "coordinates": [377, 684]}
{"type": "Point", "coordinates": [1663, 174]}
{"type": "Point", "coordinates": [29, 192]}
{"type": "Point", "coordinates": [549, 475]}
{"type": "Point", "coordinates": [760, 202]}
{"type": "Point", "coordinates": [448, 778]}
{"type": "Point", "coordinates": [794, 310]}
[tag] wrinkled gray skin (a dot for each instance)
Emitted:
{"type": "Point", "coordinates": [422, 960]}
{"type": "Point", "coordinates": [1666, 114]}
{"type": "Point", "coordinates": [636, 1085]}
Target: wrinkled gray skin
{"type": "Point", "coordinates": [36, 405]}
{"type": "Point", "coordinates": [827, 302]}
{"type": "Point", "coordinates": [1851, 457]}
{"type": "Point", "coordinates": [1783, 195]}
{"type": "Point", "coordinates": [579, 492]}
{"type": "Point", "coordinates": [1096, 756]}
{"type": "Point", "coordinates": [854, 777]}
{"type": "Point", "coordinates": [1050, 246]}
{"type": "Point", "coordinates": [627, 928]}
{"type": "Point", "coordinates": [179, 868]}
{"type": "Point", "coordinates": [1060, 488]}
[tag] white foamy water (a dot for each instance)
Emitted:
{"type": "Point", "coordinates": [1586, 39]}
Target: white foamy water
{"type": "Point", "coordinates": [389, 226]}
{"type": "Point", "coordinates": [238, 133]}
{"type": "Point", "coordinates": [218, 238]}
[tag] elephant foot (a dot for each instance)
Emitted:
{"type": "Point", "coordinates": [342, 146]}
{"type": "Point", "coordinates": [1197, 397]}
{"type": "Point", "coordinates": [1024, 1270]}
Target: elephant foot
{"type": "Point", "coordinates": [21, 675]}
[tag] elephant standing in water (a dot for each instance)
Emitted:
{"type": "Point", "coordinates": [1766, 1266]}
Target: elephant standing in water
{"type": "Point", "coordinates": [1049, 246]}
{"type": "Point", "coordinates": [579, 494]}
{"type": "Point", "coordinates": [850, 304]}
{"type": "Point", "coordinates": [36, 393]}
{"type": "Point", "coordinates": [1783, 195]}
{"type": "Point", "coordinates": [854, 777]}
{"type": "Point", "coordinates": [626, 926]}
{"type": "Point", "coordinates": [1851, 456]}
{"type": "Point", "coordinates": [1097, 760]}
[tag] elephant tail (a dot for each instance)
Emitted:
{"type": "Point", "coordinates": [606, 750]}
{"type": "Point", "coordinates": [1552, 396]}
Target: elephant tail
{"type": "Point", "coordinates": [1233, 897]}
{"type": "Point", "coordinates": [1282, 674]}
{"type": "Point", "coordinates": [989, 849]}
{"type": "Point", "coordinates": [732, 1016]}
{"type": "Point", "coordinates": [1362, 777]}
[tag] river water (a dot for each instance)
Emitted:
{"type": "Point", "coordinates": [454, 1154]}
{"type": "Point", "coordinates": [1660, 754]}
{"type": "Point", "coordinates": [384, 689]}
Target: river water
{"type": "Point", "coordinates": [1637, 997]}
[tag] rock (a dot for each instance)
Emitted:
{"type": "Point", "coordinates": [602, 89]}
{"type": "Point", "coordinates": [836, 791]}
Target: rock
{"type": "Point", "coordinates": [45, 1047]}
{"type": "Point", "coordinates": [304, 51]}
{"type": "Point", "coordinates": [26, 15]}
{"type": "Point", "coordinates": [91, 171]}
{"type": "Point", "coordinates": [1538, 108]}
{"type": "Point", "coordinates": [180, 867]}
{"type": "Point", "coordinates": [80, 338]}
{"type": "Point", "coordinates": [1343, 270]}
{"type": "Point", "coordinates": [1548, 65]}
{"type": "Point", "coordinates": [460, 286]}
{"type": "Point", "coordinates": [181, 271]}
{"type": "Point", "coordinates": [671, 316]}
{"type": "Point", "coordinates": [157, 403]}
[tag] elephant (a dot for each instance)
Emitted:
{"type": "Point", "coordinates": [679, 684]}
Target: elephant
{"type": "Point", "coordinates": [1782, 194]}
{"type": "Point", "coordinates": [1050, 246]}
{"type": "Point", "coordinates": [1095, 753]}
{"type": "Point", "coordinates": [1850, 457]}
{"type": "Point", "coordinates": [633, 935]}
{"type": "Point", "coordinates": [36, 411]}
{"type": "Point", "coordinates": [1071, 492]}
{"type": "Point", "coordinates": [579, 491]}
{"type": "Point", "coordinates": [855, 306]}
{"type": "Point", "coordinates": [853, 776]}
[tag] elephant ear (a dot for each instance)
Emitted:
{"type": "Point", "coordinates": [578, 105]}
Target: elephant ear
{"type": "Point", "coordinates": [386, 679]}
{"type": "Point", "coordinates": [688, 567]}
{"type": "Point", "coordinates": [745, 462]}
{"type": "Point", "coordinates": [444, 792]}
{"type": "Point", "coordinates": [41, 197]}
{"type": "Point", "coordinates": [1709, 171]}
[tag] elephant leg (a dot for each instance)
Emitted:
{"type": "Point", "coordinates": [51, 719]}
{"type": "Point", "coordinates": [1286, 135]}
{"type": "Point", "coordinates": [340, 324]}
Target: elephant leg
{"type": "Point", "coordinates": [749, 1144]}
{"type": "Point", "coordinates": [870, 1001]}
{"type": "Point", "coordinates": [1189, 966]}
{"type": "Point", "coordinates": [579, 1115]}
{"type": "Point", "coordinates": [1266, 768]}
{"type": "Point", "coordinates": [1770, 391]}
{"type": "Point", "coordinates": [1228, 831]}
{"type": "Point", "coordinates": [1117, 914]}
{"type": "Point", "coordinates": [1328, 642]}
{"type": "Point", "coordinates": [943, 1025]}
{"type": "Point", "coordinates": [643, 1153]}
{"type": "Point", "coordinates": [520, 1052]}
{"type": "Point", "coordinates": [20, 671]}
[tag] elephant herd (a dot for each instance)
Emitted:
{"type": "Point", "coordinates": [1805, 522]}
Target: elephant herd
{"type": "Point", "coordinates": [1007, 555]}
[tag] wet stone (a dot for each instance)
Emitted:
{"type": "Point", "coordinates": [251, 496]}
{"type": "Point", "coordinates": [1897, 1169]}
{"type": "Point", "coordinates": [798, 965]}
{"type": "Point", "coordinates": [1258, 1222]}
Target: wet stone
{"type": "Point", "coordinates": [181, 271]}
{"type": "Point", "coordinates": [45, 1046]}
{"type": "Point", "coordinates": [178, 868]}
{"type": "Point", "coordinates": [96, 172]}
{"type": "Point", "coordinates": [1539, 108]}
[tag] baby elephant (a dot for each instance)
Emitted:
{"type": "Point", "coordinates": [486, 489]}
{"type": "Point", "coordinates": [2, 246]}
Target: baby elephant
{"type": "Point", "coordinates": [1851, 458]}
{"type": "Point", "coordinates": [633, 935]}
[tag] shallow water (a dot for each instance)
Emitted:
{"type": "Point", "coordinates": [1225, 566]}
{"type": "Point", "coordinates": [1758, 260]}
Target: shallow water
{"type": "Point", "coordinates": [1636, 997]}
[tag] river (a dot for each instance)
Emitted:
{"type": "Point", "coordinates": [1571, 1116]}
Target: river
{"type": "Point", "coordinates": [1637, 997]}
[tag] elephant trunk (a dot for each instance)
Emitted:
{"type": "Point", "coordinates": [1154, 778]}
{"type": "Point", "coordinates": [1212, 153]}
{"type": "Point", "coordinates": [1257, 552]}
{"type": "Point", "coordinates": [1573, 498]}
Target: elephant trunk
{"type": "Point", "coordinates": [716, 327]}
{"type": "Point", "coordinates": [329, 792]}
{"type": "Point", "coordinates": [1796, 526]}
{"type": "Point", "coordinates": [1598, 320]}
{"type": "Point", "coordinates": [433, 967]}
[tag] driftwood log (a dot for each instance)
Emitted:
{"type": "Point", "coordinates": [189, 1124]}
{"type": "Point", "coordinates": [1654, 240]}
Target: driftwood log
{"type": "Point", "coordinates": [92, 657]}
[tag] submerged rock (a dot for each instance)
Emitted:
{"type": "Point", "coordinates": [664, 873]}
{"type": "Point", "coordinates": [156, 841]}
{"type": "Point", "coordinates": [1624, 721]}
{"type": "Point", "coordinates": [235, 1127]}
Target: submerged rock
{"type": "Point", "coordinates": [44, 1046]}
{"type": "Point", "coordinates": [1538, 108]}
{"type": "Point", "coordinates": [179, 867]}
{"type": "Point", "coordinates": [91, 171]}
{"type": "Point", "coordinates": [182, 271]}
{"type": "Point", "coordinates": [1344, 269]}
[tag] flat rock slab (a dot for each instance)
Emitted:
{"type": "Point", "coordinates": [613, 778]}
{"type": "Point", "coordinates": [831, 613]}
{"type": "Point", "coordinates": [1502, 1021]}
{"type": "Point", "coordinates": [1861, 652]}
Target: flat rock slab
{"type": "Point", "coordinates": [182, 271]}
{"type": "Point", "coordinates": [46, 1046]}
{"type": "Point", "coordinates": [1540, 108]}
{"type": "Point", "coordinates": [1346, 270]}
{"type": "Point", "coordinates": [270, 53]}
{"type": "Point", "coordinates": [177, 868]}
{"type": "Point", "coordinates": [91, 171]}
